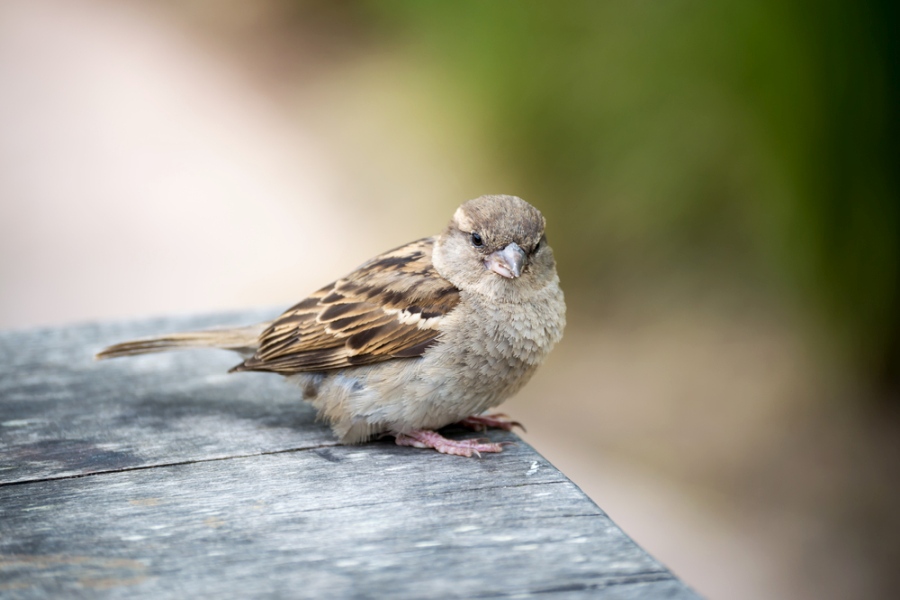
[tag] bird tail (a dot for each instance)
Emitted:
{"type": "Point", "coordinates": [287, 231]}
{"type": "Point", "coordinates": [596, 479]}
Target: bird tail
{"type": "Point", "coordinates": [243, 340]}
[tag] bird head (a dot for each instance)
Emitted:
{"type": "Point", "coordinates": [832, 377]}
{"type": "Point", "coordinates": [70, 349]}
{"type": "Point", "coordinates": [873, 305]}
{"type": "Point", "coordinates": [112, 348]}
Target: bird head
{"type": "Point", "coordinates": [496, 246]}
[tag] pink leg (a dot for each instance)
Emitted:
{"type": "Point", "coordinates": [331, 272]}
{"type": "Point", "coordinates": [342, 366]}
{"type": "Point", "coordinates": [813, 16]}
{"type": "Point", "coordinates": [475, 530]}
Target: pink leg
{"type": "Point", "coordinates": [424, 438]}
{"type": "Point", "coordinates": [496, 420]}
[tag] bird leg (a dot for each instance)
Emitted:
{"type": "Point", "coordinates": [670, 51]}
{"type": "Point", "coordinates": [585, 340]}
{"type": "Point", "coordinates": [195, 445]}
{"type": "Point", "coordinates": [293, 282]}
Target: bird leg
{"type": "Point", "coordinates": [496, 420]}
{"type": "Point", "coordinates": [424, 438]}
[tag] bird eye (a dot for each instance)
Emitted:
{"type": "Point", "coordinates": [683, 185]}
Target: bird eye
{"type": "Point", "coordinates": [476, 240]}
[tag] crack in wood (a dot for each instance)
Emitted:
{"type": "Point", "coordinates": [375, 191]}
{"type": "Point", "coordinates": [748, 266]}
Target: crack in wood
{"type": "Point", "coordinates": [604, 582]}
{"type": "Point", "coordinates": [164, 465]}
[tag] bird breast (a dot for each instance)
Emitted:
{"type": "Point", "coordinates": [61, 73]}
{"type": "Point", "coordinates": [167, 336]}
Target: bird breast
{"type": "Point", "coordinates": [492, 349]}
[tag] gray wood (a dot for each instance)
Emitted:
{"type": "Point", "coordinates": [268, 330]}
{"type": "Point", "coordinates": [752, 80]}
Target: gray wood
{"type": "Point", "coordinates": [161, 476]}
{"type": "Point", "coordinates": [64, 414]}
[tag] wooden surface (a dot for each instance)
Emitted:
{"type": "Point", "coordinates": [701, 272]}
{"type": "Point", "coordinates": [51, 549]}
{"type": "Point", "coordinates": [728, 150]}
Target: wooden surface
{"type": "Point", "coordinates": [163, 476]}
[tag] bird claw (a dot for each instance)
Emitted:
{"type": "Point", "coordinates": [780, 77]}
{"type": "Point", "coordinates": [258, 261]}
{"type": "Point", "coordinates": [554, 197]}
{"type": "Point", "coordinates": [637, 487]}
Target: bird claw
{"type": "Point", "coordinates": [423, 438]}
{"type": "Point", "coordinates": [496, 420]}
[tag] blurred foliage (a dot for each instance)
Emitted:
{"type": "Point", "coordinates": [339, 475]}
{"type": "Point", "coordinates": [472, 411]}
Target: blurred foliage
{"type": "Point", "coordinates": [738, 139]}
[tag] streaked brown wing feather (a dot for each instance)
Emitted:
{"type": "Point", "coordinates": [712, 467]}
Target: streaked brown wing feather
{"type": "Point", "coordinates": [391, 307]}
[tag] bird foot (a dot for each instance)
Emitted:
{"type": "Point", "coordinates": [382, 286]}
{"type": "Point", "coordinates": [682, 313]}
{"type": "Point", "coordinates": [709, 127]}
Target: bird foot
{"type": "Point", "coordinates": [496, 420]}
{"type": "Point", "coordinates": [423, 438]}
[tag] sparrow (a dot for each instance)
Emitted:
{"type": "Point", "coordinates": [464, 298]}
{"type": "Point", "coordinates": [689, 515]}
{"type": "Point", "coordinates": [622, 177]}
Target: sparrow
{"type": "Point", "coordinates": [429, 334]}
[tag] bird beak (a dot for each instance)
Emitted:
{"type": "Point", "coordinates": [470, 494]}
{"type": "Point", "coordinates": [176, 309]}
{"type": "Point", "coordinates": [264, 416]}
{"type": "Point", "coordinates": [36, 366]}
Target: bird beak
{"type": "Point", "coordinates": [507, 262]}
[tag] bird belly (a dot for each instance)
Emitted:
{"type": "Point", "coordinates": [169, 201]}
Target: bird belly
{"type": "Point", "coordinates": [471, 369]}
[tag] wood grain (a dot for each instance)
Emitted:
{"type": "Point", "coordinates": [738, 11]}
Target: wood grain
{"type": "Point", "coordinates": [162, 477]}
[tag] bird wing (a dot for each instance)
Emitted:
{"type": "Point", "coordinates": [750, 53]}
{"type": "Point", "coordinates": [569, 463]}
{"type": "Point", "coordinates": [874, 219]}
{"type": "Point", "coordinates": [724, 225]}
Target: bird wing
{"type": "Point", "coordinates": [390, 307]}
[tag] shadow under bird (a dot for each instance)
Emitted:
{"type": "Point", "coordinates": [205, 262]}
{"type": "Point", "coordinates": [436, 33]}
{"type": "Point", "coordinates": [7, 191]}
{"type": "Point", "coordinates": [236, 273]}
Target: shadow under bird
{"type": "Point", "coordinates": [428, 334]}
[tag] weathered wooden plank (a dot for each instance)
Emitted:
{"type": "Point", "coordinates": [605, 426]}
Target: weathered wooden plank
{"type": "Point", "coordinates": [365, 521]}
{"type": "Point", "coordinates": [62, 413]}
{"type": "Point", "coordinates": [161, 476]}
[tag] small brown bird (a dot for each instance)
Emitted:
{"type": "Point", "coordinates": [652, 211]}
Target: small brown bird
{"type": "Point", "coordinates": [432, 333]}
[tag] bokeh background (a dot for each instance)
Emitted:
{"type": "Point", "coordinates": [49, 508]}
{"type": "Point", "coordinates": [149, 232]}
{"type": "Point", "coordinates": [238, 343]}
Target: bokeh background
{"type": "Point", "coordinates": [721, 182]}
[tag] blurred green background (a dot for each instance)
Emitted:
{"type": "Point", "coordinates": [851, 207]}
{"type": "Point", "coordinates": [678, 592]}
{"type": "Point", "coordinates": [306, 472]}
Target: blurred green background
{"type": "Point", "coordinates": [751, 142]}
{"type": "Point", "coordinates": [720, 181]}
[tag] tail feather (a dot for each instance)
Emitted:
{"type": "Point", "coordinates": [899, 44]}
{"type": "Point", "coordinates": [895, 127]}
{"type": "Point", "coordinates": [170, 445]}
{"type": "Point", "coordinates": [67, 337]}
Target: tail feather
{"type": "Point", "coordinates": [243, 340]}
